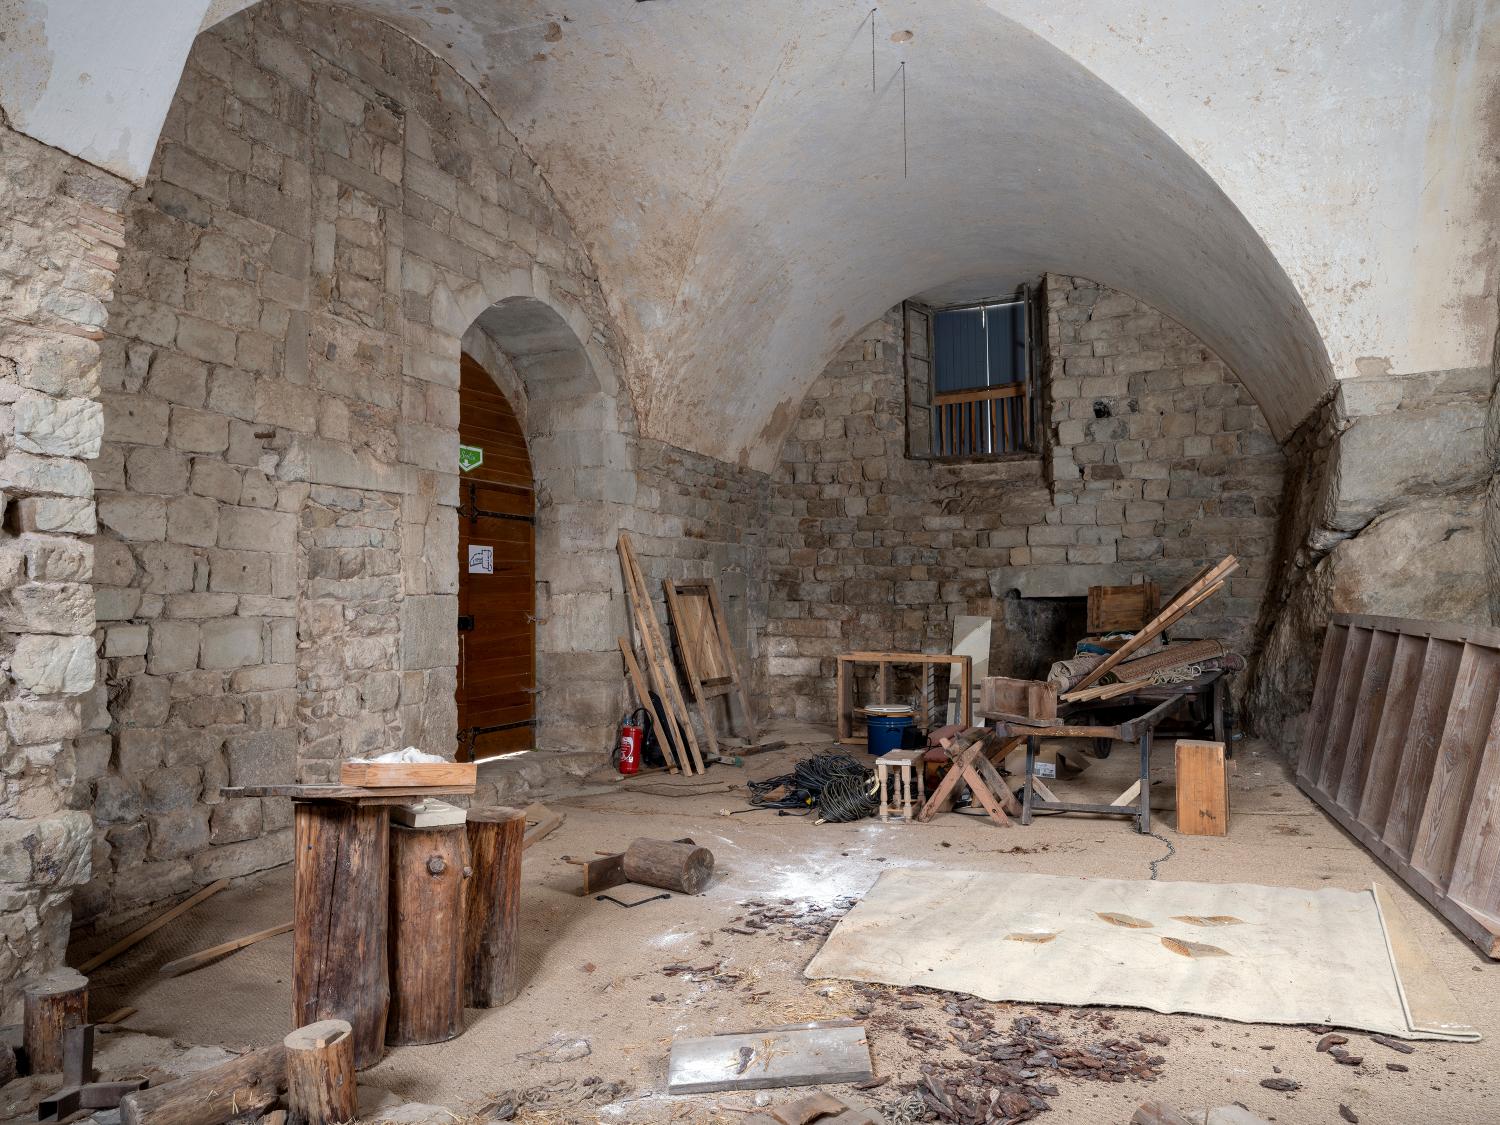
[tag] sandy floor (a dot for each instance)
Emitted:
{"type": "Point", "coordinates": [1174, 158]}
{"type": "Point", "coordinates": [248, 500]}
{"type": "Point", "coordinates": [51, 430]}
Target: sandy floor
{"type": "Point", "coordinates": [594, 971]}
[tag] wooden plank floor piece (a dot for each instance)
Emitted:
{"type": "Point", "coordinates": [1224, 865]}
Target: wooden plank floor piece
{"type": "Point", "coordinates": [1414, 778]}
{"type": "Point", "coordinates": [1322, 701]}
{"type": "Point", "coordinates": [1464, 738]}
{"type": "Point", "coordinates": [810, 1054]}
{"type": "Point", "coordinates": [1390, 736]}
{"type": "Point", "coordinates": [1368, 707]}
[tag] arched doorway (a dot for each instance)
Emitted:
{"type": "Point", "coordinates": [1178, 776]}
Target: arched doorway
{"type": "Point", "coordinates": [496, 573]}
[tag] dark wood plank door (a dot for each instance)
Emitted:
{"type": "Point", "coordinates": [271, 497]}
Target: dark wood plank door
{"type": "Point", "coordinates": [497, 586]}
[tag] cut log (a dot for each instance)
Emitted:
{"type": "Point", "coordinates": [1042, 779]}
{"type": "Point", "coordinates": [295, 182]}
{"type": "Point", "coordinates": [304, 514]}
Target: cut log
{"type": "Point", "coordinates": [211, 1097]}
{"type": "Point", "coordinates": [686, 868]}
{"type": "Point", "coordinates": [53, 1003]}
{"type": "Point", "coordinates": [339, 967]}
{"type": "Point", "coordinates": [427, 935]}
{"type": "Point", "coordinates": [320, 1087]}
{"type": "Point", "coordinates": [492, 906]}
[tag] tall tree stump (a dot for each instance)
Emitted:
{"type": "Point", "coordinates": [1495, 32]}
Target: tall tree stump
{"type": "Point", "coordinates": [686, 868]}
{"type": "Point", "coordinates": [320, 1087]}
{"type": "Point", "coordinates": [426, 947]}
{"type": "Point", "coordinates": [53, 1003]}
{"type": "Point", "coordinates": [339, 969]}
{"type": "Point", "coordinates": [492, 906]}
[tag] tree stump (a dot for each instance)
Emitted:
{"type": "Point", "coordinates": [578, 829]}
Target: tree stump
{"type": "Point", "coordinates": [492, 906]}
{"type": "Point", "coordinates": [320, 1087]}
{"type": "Point", "coordinates": [686, 868]}
{"type": "Point", "coordinates": [427, 938]}
{"type": "Point", "coordinates": [53, 1003]}
{"type": "Point", "coordinates": [339, 968]}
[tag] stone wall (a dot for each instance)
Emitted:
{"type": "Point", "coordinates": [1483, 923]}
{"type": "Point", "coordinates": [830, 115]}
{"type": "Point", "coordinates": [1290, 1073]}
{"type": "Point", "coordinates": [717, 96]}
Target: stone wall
{"type": "Point", "coordinates": [330, 212]}
{"type": "Point", "coordinates": [1157, 462]}
{"type": "Point", "coordinates": [1384, 514]}
{"type": "Point", "coordinates": [59, 249]}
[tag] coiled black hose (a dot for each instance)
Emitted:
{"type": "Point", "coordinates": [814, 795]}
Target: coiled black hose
{"type": "Point", "coordinates": [839, 786]}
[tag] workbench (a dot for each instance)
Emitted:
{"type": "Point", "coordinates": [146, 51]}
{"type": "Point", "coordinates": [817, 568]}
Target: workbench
{"type": "Point", "coordinates": [1133, 718]}
{"type": "Point", "coordinates": [961, 667]}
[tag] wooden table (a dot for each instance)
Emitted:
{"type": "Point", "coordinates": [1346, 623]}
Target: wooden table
{"type": "Point", "coordinates": [848, 713]}
{"type": "Point", "coordinates": [341, 902]}
{"type": "Point", "coordinates": [1133, 717]}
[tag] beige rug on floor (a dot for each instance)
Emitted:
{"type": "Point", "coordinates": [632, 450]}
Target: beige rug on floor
{"type": "Point", "coordinates": [1242, 952]}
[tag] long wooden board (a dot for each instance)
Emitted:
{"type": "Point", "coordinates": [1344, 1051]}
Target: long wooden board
{"type": "Point", "coordinates": [384, 775]}
{"type": "Point", "coordinates": [1402, 748]}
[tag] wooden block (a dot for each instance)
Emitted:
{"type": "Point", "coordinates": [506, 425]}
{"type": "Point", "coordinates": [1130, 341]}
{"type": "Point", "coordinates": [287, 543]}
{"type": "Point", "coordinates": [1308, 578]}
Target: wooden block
{"type": "Point", "coordinates": [808, 1054]}
{"type": "Point", "coordinates": [1202, 789]}
{"type": "Point", "coordinates": [384, 775]}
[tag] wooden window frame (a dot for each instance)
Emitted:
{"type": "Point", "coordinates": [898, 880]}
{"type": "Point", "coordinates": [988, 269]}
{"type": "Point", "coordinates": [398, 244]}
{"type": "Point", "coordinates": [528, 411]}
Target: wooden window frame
{"type": "Point", "coordinates": [932, 417]}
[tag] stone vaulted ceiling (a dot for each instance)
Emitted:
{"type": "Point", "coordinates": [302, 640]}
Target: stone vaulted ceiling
{"type": "Point", "coordinates": [1304, 186]}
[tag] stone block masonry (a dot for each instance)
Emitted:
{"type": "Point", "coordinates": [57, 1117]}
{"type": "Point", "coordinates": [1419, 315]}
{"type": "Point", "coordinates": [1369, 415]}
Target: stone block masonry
{"type": "Point", "coordinates": [1156, 462]}
{"type": "Point", "coordinates": [329, 211]}
{"type": "Point", "coordinates": [60, 242]}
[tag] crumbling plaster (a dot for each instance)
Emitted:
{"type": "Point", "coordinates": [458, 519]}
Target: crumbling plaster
{"type": "Point", "coordinates": [1300, 185]}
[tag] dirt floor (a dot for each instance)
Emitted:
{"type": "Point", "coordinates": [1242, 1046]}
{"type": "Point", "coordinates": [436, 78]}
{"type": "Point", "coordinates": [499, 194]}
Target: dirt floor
{"type": "Point", "coordinates": [594, 972]}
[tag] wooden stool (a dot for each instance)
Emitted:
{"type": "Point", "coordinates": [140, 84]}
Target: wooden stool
{"type": "Point", "coordinates": [906, 762]}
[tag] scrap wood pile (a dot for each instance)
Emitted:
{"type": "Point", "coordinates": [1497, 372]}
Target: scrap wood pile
{"type": "Point", "coordinates": [1123, 661]}
{"type": "Point", "coordinates": [839, 787]}
{"type": "Point", "coordinates": [796, 922]}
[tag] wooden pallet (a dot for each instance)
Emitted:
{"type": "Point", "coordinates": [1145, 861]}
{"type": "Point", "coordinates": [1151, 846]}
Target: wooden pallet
{"type": "Point", "coordinates": [1402, 748]}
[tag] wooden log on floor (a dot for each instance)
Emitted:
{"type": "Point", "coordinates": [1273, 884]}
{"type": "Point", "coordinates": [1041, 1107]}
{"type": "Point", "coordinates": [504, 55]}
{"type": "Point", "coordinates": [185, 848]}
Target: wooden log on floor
{"type": "Point", "coordinates": [52, 1004]}
{"type": "Point", "coordinates": [320, 1086]}
{"type": "Point", "coordinates": [427, 935]}
{"type": "Point", "coordinates": [210, 1097]}
{"type": "Point", "coordinates": [339, 966]}
{"type": "Point", "coordinates": [492, 906]}
{"type": "Point", "coordinates": [685, 868]}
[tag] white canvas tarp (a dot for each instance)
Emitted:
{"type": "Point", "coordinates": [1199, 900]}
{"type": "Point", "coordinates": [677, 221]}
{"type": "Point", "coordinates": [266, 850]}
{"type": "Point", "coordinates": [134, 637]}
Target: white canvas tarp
{"type": "Point", "coordinates": [1243, 952]}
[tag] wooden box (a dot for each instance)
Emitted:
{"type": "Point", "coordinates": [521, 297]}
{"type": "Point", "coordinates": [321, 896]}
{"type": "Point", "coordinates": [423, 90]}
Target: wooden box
{"type": "Point", "coordinates": [1202, 789]}
{"type": "Point", "coordinates": [1018, 700]}
{"type": "Point", "coordinates": [382, 775]}
{"type": "Point", "coordinates": [1122, 609]}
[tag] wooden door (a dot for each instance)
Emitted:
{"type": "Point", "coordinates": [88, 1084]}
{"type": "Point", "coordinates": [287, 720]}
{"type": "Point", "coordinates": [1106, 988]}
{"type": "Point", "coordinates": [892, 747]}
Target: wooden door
{"type": "Point", "coordinates": [496, 575]}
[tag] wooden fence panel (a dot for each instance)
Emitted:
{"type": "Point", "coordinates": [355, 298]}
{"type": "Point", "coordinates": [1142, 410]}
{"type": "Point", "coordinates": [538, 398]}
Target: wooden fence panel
{"type": "Point", "coordinates": [1402, 748]}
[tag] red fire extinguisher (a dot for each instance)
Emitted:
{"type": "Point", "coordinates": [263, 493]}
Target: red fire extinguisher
{"type": "Point", "coordinates": [631, 739]}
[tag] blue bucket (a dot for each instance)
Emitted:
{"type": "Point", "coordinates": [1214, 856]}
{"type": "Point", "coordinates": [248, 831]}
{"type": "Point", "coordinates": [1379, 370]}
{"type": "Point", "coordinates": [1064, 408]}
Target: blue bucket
{"type": "Point", "coordinates": [883, 732]}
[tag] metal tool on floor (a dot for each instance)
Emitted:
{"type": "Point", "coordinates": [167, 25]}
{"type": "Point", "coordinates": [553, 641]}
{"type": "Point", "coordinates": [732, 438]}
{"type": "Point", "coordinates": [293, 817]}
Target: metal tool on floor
{"type": "Point", "coordinates": [80, 1091]}
{"type": "Point", "coordinates": [629, 905]}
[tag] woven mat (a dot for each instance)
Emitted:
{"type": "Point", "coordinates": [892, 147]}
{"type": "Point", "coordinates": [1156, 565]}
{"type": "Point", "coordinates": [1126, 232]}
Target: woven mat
{"type": "Point", "coordinates": [1178, 655]}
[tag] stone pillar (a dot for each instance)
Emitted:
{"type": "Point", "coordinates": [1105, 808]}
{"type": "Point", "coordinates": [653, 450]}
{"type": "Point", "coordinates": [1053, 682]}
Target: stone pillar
{"type": "Point", "coordinates": [60, 231]}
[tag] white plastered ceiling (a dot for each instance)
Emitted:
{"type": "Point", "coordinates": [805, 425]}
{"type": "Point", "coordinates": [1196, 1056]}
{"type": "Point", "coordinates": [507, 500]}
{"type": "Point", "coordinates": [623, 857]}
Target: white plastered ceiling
{"type": "Point", "coordinates": [1305, 186]}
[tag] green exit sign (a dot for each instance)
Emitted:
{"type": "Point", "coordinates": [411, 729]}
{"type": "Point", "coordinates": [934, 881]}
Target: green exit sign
{"type": "Point", "coordinates": [470, 457]}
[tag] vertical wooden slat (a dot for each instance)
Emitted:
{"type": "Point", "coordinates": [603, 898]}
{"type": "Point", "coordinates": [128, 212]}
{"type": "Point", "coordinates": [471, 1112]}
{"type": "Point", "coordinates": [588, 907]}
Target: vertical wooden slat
{"type": "Point", "coordinates": [1313, 731]}
{"type": "Point", "coordinates": [1341, 717]}
{"type": "Point", "coordinates": [1463, 742]}
{"type": "Point", "coordinates": [993, 408]}
{"type": "Point", "coordinates": [1476, 869]}
{"type": "Point", "coordinates": [1419, 753]}
{"type": "Point", "coordinates": [1408, 665]}
{"type": "Point", "coordinates": [1367, 717]}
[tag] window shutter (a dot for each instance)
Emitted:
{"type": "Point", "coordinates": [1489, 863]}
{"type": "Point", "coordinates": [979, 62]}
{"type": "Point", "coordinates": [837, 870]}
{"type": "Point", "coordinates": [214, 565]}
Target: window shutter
{"type": "Point", "coordinates": [917, 348]}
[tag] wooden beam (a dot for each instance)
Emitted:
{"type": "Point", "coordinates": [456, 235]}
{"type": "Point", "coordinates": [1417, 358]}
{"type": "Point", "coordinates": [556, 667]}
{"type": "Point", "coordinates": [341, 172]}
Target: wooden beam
{"type": "Point", "coordinates": [135, 937]}
{"type": "Point", "coordinates": [207, 956]}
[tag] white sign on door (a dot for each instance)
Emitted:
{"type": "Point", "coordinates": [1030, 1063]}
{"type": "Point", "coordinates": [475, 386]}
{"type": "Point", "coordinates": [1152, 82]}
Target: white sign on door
{"type": "Point", "coordinates": [481, 560]}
